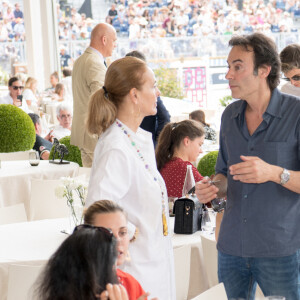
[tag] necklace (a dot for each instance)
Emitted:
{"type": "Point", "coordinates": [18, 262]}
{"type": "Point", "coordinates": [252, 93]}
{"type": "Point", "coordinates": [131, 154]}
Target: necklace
{"type": "Point", "coordinates": [147, 167]}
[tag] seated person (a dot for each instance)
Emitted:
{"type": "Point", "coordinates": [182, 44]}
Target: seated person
{"type": "Point", "coordinates": [81, 267]}
{"type": "Point", "coordinates": [290, 66]}
{"type": "Point", "coordinates": [67, 82]}
{"type": "Point", "coordinates": [64, 114]}
{"type": "Point", "coordinates": [110, 215]}
{"type": "Point", "coordinates": [59, 92]}
{"type": "Point", "coordinates": [179, 144]}
{"type": "Point", "coordinates": [29, 93]}
{"type": "Point", "coordinates": [54, 79]}
{"type": "Point", "coordinates": [15, 89]}
{"type": "Point", "coordinates": [42, 145]}
{"type": "Point", "coordinates": [199, 115]}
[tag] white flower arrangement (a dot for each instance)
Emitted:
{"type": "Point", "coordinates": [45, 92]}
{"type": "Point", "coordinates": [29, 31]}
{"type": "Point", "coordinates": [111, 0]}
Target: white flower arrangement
{"type": "Point", "coordinates": [75, 192]}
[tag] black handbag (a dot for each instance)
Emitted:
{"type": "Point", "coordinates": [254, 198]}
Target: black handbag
{"type": "Point", "coordinates": [188, 214]}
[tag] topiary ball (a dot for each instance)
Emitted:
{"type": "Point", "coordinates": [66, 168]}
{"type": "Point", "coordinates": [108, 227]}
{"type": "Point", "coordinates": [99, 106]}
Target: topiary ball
{"type": "Point", "coordinates": [206, 165]}
{"type": "Point", "coordinates": [17, 132]}
{"type": "Point", "coordinates": [74, 152]}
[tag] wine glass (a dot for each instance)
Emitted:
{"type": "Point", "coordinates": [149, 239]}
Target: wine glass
{"type": "Point", "coordinates": [34, 158]}
{"type": "Point", "coordinates": [218, 204]}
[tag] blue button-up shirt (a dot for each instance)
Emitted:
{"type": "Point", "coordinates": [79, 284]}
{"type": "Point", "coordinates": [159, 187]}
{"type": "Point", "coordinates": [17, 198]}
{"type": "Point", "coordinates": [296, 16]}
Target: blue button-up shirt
{"type": "Point", "coordinates": [261, 220]}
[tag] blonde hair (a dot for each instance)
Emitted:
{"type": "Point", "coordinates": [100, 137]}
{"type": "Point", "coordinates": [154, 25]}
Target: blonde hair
{"type": "Point", "coordinates": [29, 82]}
{"type": "Point", "coordinates": [121, 76]}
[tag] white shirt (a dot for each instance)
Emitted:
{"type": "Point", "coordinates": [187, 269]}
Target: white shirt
{"type": "Point", "coordinates": [29, 95]}
{"type": "Point", "coordinates": [67, 82]}
{"type": "Point", "coordinates": [60, 132]}
{"type": "Point", "coordinates": [9, 100]}
{"type": "Point", "coordinates": [118, 174]}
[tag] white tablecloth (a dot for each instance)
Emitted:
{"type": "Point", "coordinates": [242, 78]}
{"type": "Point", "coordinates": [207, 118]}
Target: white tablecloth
{"type": "Point", "coordinates": [15, 177]}
{"type": "Point", "coordinates": [34, 242]}
{"type": "Point", "coordinates": [198, 280]}
{"type": "Point", "coordinates": [30, 243]}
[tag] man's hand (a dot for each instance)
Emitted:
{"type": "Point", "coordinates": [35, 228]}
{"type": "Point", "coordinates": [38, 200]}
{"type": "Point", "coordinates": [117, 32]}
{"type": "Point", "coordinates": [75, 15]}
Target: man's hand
{"type": "Point", "coordinates": [252, 170]}
{"type": "Point", "coordinates": [49, 137]}
{"type": "Point", "coordinates": [17, 103]}
{"type": "Point", "coordinates": [205, 191]}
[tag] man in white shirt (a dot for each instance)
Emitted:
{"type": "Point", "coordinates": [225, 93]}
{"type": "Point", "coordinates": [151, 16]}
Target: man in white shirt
{"type": "Point", "coordinates": [290, 66]}
{"type": "Point", "coordinates": [64, 114]}
{"type": "Point", "coordinates": [15, 89]}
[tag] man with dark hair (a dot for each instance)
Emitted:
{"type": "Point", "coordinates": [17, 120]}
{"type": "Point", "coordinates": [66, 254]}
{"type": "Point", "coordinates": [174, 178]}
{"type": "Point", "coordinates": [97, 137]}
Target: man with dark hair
{"type": "Point", "coordinates": [290, 66]}
{"type": "Point", "coordinates": [14, 96]}
{"type": "Point", "coordinates": [259, 171]}
{"type": "Point", "coordinates": [42, 145]}
{"type": "Point", "coordinates": [156, 123]}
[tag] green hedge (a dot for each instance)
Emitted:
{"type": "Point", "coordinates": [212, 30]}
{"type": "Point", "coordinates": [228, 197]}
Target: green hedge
{"type": "Point", "coordinates": [17, 132]}
{"type": "Point", "coordinates": [206, 165]}
{"type": "Point", "coordinates": [74, 152]}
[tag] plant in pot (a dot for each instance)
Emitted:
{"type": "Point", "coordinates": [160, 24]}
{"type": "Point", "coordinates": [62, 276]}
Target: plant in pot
{"type": "Point", "coordinates": [17, 131]}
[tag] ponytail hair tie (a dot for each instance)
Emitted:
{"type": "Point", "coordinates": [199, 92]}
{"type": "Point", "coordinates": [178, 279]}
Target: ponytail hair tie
{"type": "Point", "coordinates": [174, 125]}
{"type": "Point", "coordinates": [105, 92]}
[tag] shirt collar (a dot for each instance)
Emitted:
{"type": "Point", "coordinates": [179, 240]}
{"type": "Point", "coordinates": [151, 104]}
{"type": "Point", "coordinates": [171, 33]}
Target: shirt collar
{"type": "Point", "coordinates": [273, 109]}
{"type": "Point", "coordinates": [99, 53]}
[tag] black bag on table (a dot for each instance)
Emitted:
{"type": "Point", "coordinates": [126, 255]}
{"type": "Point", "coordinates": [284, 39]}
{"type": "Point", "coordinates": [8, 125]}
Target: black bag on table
{"type": "Point", "coordinates": [188, 214]}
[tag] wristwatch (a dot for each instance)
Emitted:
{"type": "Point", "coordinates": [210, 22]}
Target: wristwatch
{"type": "Point", "coordinates": [284, 177]}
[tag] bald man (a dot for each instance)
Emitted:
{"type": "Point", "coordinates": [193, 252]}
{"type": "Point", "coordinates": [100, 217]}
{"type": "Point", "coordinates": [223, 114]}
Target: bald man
{"type": "Point", "coordinates": [87, 77]}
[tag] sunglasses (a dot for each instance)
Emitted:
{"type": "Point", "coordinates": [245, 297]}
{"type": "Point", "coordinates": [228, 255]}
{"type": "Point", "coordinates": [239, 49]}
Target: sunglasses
{"type": "Point", "coordinates": [294, 78]}
{"type": "Point", "coordinates": [104, 230]}
{"type": "Point", "coordinates": [17, 87]}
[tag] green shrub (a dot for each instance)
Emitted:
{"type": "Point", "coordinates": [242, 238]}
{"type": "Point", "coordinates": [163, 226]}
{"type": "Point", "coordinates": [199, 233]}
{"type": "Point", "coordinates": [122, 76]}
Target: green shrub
{"type": "Point", "coordinates": [225, 100]}
{"type": "Point", "coordinates": [168, 83]}
{"type": "Point", "coordinates": [17, 132]}
{"type": "Point", "coordinates": [74, 152]}
{"type": "Point", "coordinates": [206, 165]}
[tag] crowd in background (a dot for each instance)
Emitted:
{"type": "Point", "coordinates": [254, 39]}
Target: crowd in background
{"type": "Point", "coordinates": [11, 22]}
{"type": "Point", "coordinates": [163, 18]}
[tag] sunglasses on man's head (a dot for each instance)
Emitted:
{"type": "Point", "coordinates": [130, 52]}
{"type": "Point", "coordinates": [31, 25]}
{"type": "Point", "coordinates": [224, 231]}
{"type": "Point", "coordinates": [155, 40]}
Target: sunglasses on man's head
{"type": "Point", "coordinates": [17, 87]}
{"type": "Point", "coordinates": [294, 78]}
{"type": "Point", "coordinates": [106, 231]}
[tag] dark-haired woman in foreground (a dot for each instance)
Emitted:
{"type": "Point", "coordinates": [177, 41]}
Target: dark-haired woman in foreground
{"type": "Point", "coordinates": [83, 268]}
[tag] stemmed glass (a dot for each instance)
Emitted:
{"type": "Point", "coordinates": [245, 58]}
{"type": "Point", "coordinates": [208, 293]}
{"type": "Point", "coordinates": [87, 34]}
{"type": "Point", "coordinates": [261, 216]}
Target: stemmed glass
{"type": "Point", "coordinates": [34, 158]}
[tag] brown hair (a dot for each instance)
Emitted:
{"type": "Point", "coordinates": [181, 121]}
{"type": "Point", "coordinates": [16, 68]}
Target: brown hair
{"type": "Point", "coordinates": [290, 58]}
{"type": "Point", "coordinates": [101, 207]}
{"type": "Point", "coordinates": [198, 115]}
{"type": "Point", "coordinates": [265, 53]}
{"type": "Point", "coordinates": [58, 88]}
{"type": "Point", "coordinates": [121, 76]}
{"type": "Point", "coordinates": [171, 137]}
{"type": "Point", "coordinates": [29, 82]}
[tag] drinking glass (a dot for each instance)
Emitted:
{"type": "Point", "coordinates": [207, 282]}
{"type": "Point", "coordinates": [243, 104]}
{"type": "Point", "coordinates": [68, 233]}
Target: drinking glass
{"type": "Point", "coordinates": [208, 222]}
{"type": "Point", "coordinates": [34, 158]}
{"type": "Point", "coordinates": [218, 204]}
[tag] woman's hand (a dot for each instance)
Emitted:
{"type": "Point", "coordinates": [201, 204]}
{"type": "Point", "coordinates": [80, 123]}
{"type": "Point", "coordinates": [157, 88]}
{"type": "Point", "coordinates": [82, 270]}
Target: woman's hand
{"type": "Point", "coordinates": [114, 292]}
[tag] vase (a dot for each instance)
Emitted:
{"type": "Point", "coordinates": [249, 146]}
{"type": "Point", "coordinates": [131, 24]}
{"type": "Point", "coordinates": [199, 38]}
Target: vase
{"type": "Point", "coordinates": [75, 216]}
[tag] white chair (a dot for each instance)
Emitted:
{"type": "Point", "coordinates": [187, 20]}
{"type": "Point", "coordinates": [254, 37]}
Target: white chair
{"type": "Point", "coordinates": [84, 171]}
{"type": "Point", "coordinates": [43, 202]}
{"type": "Point", "coordinates": [20, 281]}
{"type": "Point", "coordinates": [21, 155]}
{"type": "Point", "coordinates": [210, 256]}
{"type": "Point", "coordinates": [182, 260]}
{"type": "Point", "coordinates": [13, 214]}
{"type": "Point", "coordinates": [215, 293]}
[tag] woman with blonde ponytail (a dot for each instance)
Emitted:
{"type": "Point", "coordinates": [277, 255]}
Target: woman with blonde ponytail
{"type": "Point", "coordinates": [124, 170]}
{"type": "Point", "coordinates": [179, 144]}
